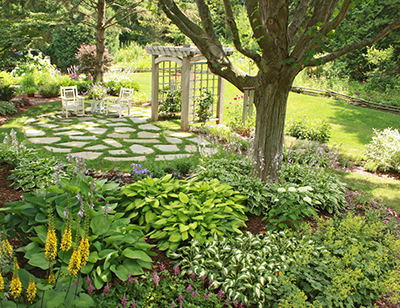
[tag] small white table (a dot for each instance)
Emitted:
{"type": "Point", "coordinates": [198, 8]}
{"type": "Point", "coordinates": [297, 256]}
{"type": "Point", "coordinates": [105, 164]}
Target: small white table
{"type": "Point", "coordinates": [97, 105]}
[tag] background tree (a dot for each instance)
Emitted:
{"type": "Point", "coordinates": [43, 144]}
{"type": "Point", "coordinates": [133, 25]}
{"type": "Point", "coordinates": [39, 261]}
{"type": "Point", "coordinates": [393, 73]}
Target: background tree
{"type": "Point", "coordinates": [101, 15]}
{"type": "Point", "coordinates": [288, 35]}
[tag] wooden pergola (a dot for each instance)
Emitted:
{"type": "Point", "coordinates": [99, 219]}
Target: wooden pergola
{"type": "Point", "coordinates": [186, 66]}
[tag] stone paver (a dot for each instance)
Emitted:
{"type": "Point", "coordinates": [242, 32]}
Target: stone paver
{"type": "Point", "coordinates": [148, 127]}
{"type": "Point", "coordinates": [171, 156]}
{"type": "Point", "coordinates": [78, 126]}
{"type": "Point", "coordinates": [30, 121]}
{"type": "Point", "coordinates": [135, 158]}
{"type": "Point", "coordinates": [200, 140]}
{"type": "Point", "coordinates": [148, 135]}
{"type": "Point", "coordinates": [118, 124]}
{"type": "Point", "coordinates": [103, 121]}
{"type": "Point", "coordinates": [83, 118]}
{"type": "Point", "coordinates": [83, 137]}
{"type": "Point", "coordinates": [48, 125]}
{"type": "Point", "coordinates": [173, 140]}
{"type": "Point", "coordinates": [73, 144]}
{"type": "Point", "coordinates": [117, 152]}
{"type": "Point", "coordinates": [97, 147]}
{"type": "Point", "coordinates": [117, 135]}
{"type": "Point", "coordinates": [124, 129]}
{"type": "Point", "coordinates": [61, 129]}
{"type": "Point", "coordinates": [139, 120]}
{"type": "Point", "coordinates": [89, 123]}
{"type": "Point", "coordinates": [118, 119]}
{"type": "Point", "coordinates": [140, 149]}
{"type": "Point", "coordinates": [87, 155]}
{"type": "Point", "coordinates": [56, 150]}
{"type": "Point", "coordinates": [142, 140]}
{"type": "Point", "coordinates": [44, 140]}
{"type": "Point", "coordinates": [178, 134]}
{"type": "Point", "coordinates": [191, 148]}
{"type": "Point", "coordinates": [167, 147]}
{"type": "Point", "coordinates": [113, 143]}
{"type": "Point", "coordinates": [31, 132]}
{"type": "Point", "coordinates": [70, 132]}
{"type": "Point", "coordinates": [96, 130]}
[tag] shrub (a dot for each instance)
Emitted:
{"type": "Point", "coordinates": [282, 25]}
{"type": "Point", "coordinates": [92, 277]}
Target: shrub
{"type": "Point", "coordinates": [7, 92]}
{"type": "Point", "coordinates": [27, 81]}
{"type": "Point", "coordinates": [384, 150]}
{"type": "Point", "coordinates": [234, 170]}
{"type": "Point", "coordinates": [49, 89]}
{"type": "Point", "coordinates": [86, 56]}
{"type": "Point", "coordinates": [328, 191]}
{"type": "Point", "coordinates": [7, 108]}
{"type": "Point", "coordinates": [344, 264]}
{"type": "Point", "coordinates": [172, 101]}
{"type": "Point", "coordinates": [114, 87]}
{"type": "Point", "coordinates": [303, 127]}
{"type": "Point", "coordinates": [233, 117]}
{"type": "Point", "coordinates": [177, 211]}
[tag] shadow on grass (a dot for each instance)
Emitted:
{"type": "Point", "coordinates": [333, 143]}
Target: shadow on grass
{"type": "Point", "coordinates": [360, 121]}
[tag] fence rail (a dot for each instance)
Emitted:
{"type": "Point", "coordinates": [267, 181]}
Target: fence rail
{"type": "Point", "coordinates": [346, 98]}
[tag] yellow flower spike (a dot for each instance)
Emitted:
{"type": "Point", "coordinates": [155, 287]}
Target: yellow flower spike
{"type": "Point", "coordinates": [31, 291]}
{"type": "Point", "coordinates": [1, 283]}
{"type": "Point", "coordinates": [74, 265]}
{"type": "Point", "coordinates": [8, 251]}
{"type": "Point", "coordinates": [51, 244]}
{"type": "Point", "coordinates": [15, 286]}
{"type": "Point", "coordinates": [66, 239]}
{"type": "Point", "coordinates": [84, 250]}
{"type": "Point", "coordinates": [52, 278]}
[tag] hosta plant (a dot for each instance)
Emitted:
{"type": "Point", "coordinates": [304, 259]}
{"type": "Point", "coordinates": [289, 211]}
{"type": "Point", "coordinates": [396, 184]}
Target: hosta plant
{"type": "Point", "coordinates": [176, 211]}
{"type": "Point", "coordinates": [87, 207]}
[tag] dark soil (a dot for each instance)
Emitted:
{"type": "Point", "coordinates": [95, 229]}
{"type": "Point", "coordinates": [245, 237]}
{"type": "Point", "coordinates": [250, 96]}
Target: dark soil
{"type": "Point", "coordinates": [255, 224]}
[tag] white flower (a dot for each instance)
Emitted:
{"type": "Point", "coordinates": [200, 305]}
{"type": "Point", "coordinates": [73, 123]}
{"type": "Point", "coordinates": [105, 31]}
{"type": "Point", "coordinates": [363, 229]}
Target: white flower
{"type": "Point", "coordinates": [307, 199]}
{"type": "Point", "coordinates": [303, 189]}
{"type": "Point", "coordinates": [309, 188]}
{"type": "Point", "coordinates": [281, 190]}
{"type": "Point", "coordinates": [292, 189]}
{"type": "Point", "coordinates": [276, 200]}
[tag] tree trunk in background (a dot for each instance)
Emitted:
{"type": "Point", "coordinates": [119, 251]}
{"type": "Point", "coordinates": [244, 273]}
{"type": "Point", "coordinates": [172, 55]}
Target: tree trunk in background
{"type": "Point", "coordinates": [270, 101]}
{"type": "Point", "coordinates": [100, 41]}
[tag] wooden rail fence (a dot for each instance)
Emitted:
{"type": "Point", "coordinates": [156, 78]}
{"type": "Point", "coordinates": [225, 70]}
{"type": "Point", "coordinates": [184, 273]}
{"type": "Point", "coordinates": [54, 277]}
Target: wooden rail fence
{"type": "Point", "coordinates": [346, 98]}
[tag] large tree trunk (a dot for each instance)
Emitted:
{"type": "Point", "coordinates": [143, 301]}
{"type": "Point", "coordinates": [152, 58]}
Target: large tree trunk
{"type": "Point", "coordinates": [270, 100]}
{"type": "Point", "coordinates": [100, 41]}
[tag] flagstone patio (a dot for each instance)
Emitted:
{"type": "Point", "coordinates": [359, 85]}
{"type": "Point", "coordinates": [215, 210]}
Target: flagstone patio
{"type": "Point", "coordinates": [81, 138]}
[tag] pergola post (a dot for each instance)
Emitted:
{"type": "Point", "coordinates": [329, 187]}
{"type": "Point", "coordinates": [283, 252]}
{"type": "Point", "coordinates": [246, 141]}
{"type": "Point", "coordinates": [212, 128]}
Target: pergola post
{"type": "Point", "coordinates": [154, 87]}
{"type": "Point", "coordinates": [221, 98]}
{"type": "Point", "coordinates": [185, 88]}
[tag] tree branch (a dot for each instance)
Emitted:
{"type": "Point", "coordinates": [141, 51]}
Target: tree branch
{"type": "Point", "coordinates": [338, 19]}
{"type": "Point", "coordinates": [235, 34]}
{"type": "Point", "coordinates": [123, 11]}
{"type": "Point", "coordinates": [349, 48]}
{"type": "Point", "coordinates": [206, 19]}
{"type": "Point", "coordinates": [123, 18]}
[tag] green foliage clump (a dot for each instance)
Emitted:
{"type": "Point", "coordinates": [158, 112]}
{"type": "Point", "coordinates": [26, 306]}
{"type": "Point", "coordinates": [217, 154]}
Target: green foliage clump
{"type": "Point", "coordinates": [114, 87]}
{"type": "Point", "coordinates": [384, 150]}
{"type": "Point", "coordinates": [310, 129]}
{"type": "Point", "coordinates": [236, 171]}
{"type": "Point", "coordinates": [161, 289]}
{"type": "Point", "coordinates": [176, 210]}
{"type": "Point", "coordinates": [204, 104]}
{"type": "Point", "coordinates": [328, 191]}
{"type": "Point", "coordinates": [345, 263]}
{"type": "Point", "coordinates": [7, 92]}
{"type": "Point", "coordinates": [117, 247]}
{"type": "Point", "coordinates": [233, 117]}
{"type": "Point", "coordinates": [7, 107]}
{"type": "Point", "coordinates": [171, 105]}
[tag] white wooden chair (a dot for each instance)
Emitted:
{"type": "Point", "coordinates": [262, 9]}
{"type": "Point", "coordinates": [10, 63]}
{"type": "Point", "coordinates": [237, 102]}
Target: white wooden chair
{"type": "Point", "coordinates": [71, 101]}
{"type": "Point", "coordinates": [121, 103]}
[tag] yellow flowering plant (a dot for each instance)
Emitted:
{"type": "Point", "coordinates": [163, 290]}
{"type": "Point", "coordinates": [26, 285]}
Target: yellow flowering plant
{"type": "Point", "coordinates": [15, 286]}
{"type": "Point", "coordinates": [31, 291]}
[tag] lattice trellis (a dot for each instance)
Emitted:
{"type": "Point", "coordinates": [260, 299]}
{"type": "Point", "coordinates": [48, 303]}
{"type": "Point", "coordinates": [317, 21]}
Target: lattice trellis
{"type": "Point", "coordinates": [184, 67]}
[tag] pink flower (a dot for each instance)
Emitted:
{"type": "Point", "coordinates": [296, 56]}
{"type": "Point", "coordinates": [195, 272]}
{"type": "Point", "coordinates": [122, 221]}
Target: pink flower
{"type": "Point", "coordinates": [189, 288]}
{"type": "Point", "coordinates": [203, 279]}
{"type": "Point", "coordinates": [180, 298]}
{"type": "Point", "coordinates": [130, 278]}
{"type": "Point", "coordinates": [124, 301]}
{"type": "Point", "coordinates": [133, 305]}
{"type": "Point", "coordinates": [162, 267]}
{"type": "Point", "coordinates": [386, 221]}
{"type": "Point", "coordinates": [220, 294]}
{"type": "Point", "coordinates": [176, 270]}
{"type": "Point", "coordinates": [156, 279]}
{"type": "Point", "coordinates": [106, 289]}
{"type": "Point", "coordinates": [193, 276]}
{"type": "Point", "coordinates": [377, 214]}
{"type": "Point", "coordinates": [88, 280]}
{"type": "Point", "coordinates": [90, 288]}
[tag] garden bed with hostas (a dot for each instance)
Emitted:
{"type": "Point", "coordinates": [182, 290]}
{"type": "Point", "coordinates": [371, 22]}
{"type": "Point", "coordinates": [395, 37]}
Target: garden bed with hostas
{"type": "Point", "coordinates": [105, 239]}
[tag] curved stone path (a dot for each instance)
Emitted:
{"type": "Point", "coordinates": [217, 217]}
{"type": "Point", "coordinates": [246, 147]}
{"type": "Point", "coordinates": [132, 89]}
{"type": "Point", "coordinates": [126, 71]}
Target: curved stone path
{"type": "Point", "coordinates": [79, 136]}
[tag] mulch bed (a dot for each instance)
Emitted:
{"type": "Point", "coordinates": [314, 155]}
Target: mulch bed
{"type": "Point", "coordinates": [255, 224]}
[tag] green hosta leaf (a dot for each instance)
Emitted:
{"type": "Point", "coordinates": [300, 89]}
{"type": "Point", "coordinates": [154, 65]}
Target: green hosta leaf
{"type": "Point", "coordinates": [120, 271]}
{"type": "Point", "coordinates": [38, 260]}
{"type": "Point", "coordinates": [175, 237]}
{"type": "Point", "coordinates": [150, 216]}
{"type": "Point", "coordinates": [83, 300]}
{"type": "Point", "coordinates": [136, 254]}
{"type": "Point", "coordinates": [183, 228]}
{"type": "Point", "coordinates": [185, 236]}
{"type": "Point", "coordinates": [183, 198]}
{"type": "Point", "coordinates": [158, 234]}
{"type": "Point", "coordinates": [182, 217]}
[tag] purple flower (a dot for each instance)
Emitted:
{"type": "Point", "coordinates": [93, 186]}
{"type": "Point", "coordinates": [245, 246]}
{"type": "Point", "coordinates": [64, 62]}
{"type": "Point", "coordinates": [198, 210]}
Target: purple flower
{"type": "Point", "coordinates": [193, 276]}
{"type": "Point", "coordinates": [220, 294]}
{"type": "Point", "coordinates": [196, 293]}
{"type": "Point", "coordinates": [156, 279]}
{"type": "Point", "coordinates": [180, 298]}
{"type": "Point", "coordinates": [90, 288]}
{"type": "Point", "coordinates": [88, 280]}
{"type": "Point", "coordinates": [106, 289]}
{"type": "Point", "coordinates": [236, 304]}
{"type": "Point", "coordinates": [192, 295]}
{"type": "Point", "coordinates": [228, 301]}
{"type": "Point", "coordinates": [130, 278]}
{"type": "Point", "coordinates": [133, 305]}
{"type": "Point", "coordinates": [241, 305]}
{"type": "Point", "coordinates": [203, 279]}
{"type": "Point", "coordinates": [211, 282]}
{"type": "Point", "coordinates": [176, 270]}
{"type": "Point", "coordinates": [173, 304]}
{"type": "Point", "coordinates": [205, 295]}
{"type": "Point", "coordinates": [162, 267]}
{"type": "Point", "coordinates": [124, 301]}
{"type": "Point", "coordinates": [189, 288]}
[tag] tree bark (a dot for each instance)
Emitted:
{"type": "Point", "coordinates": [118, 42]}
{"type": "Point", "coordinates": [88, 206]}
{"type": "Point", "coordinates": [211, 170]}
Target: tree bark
{"type": "Point", "coordinates": [270, 100]}
{"type": "Point", "coordinates": [100, 41]}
